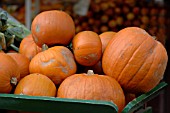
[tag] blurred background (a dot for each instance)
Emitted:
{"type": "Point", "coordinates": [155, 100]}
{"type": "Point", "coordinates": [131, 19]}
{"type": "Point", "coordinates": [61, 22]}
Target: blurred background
{"type": "Point", "coordinates": [107, 15]}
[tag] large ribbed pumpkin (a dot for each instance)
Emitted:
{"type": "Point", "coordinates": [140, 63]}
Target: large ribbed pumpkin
{"type": "Point", "coordinates": [87, 48]}
{"type": "Point", "coordinates": [28, 47]}
{"type": "Point", "coordinates": [23, 63]}
{"type": "Point", "coordinates": [92, 86]}
{"type": "Point", "coordinates": [53, 27]}
{"type": "Point", "coordinates": [36, 85]}
{"type": "Point", "coordinates": [135, 60]}
{"type": "Point", "coordinates": [57, 63]}
{"type": "Point", "coordinates": [9, 73]}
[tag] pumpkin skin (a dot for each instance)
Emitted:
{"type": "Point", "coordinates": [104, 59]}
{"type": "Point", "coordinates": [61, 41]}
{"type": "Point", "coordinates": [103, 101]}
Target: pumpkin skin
{"type": "Point", "coordinates": [12, 51]}
{"type": "Point", "coordinates": [105, 38]}
{"type": "Point", "coordinates": [87, 48]}
{"type": "Point", "coordinates": [9, 73]}
{"type": "Point", "coordinates": [36, 85]}
{"type": "Point", "coordinates": [28, 47]}
{"type": "Point", "coordinates": [53, 27]}
{"type": "Point", "coordinates": [57, 63]}
{"type": "Point", "coordinates": [92, 86]}
{"type": "Point", "coordinates": [97, 68]}
{"type": "Point", "coordinates": [129, 97]}
{"type": "Point", "coordinates": [135, 60]}
{"type": "Point", "coordinates": [23, 63]}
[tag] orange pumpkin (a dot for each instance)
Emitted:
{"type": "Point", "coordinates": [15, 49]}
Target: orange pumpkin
{"type": "Point", "coordinates": [135, 60]}
{"type": "Point", "coordinates": [105, 38]}
{"type": "Point", "coordinates": [9, 73]}
{"type": "Point", "coordinates": [36, 85]}
{"type": "Point", "coordinates": [28, 47]}
{"type": "Point", "coordinates": [129, 97]}
{"type": "Point", "coordinates": [23, 63]}
{"type": "Point", "coordinates": [97, 68]}
{"type": "Point", "coordinates": [53, 27]}
{"type": "Point", "coordinates": [56, 62]}
{"type": "Point", "coordinates": [87, 48]}
{"type": "Point", "coordinates": [92, 86]}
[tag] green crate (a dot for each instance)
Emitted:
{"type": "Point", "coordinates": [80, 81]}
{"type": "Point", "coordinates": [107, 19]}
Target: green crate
{"type": "Point", "coordinates": [62, 105]}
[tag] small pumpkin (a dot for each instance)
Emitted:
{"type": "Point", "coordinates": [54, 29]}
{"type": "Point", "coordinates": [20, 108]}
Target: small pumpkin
{"type": "Point", "coordinates": [135, 60]}
{"type": "Point", "coordinates": [97, 68]}
{"type": "Point", "coordinates": [56, 62]}
{"type": "Point", "coordinates": [87, 48]}
{"type": "Point", "coordinates": [53, 27]}
{"type": "Point", "coordinates": [28, 47]}
{"type": "Point", "coordinates": [9, 73]}
{"type": "Point", "coordinates": [23, 63]}
{"type": "Point", "coordinates": [36, 85]}
{"type": "Point", "coordinates": [105, 38]}
{"type": "Point", "coordinates": [92, 86]}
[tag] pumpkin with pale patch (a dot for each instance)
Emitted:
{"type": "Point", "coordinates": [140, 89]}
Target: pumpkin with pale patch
{"type": "Point", "coordinates": [56, 62]}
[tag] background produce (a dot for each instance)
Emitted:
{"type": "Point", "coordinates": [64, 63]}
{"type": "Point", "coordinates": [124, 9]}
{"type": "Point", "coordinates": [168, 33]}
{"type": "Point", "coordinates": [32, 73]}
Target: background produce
{"type": "Point", "coordinates": [105, 15]}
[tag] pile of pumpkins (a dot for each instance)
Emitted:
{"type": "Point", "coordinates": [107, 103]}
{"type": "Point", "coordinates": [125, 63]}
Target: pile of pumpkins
{"type": "Point", "coordinates": [54, 61]}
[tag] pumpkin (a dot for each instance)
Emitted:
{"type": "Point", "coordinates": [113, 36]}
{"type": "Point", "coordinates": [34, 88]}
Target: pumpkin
{"type": "Point", "coordinates": [56, 62]}
{"type": "Point", "coordinates": [87, 48]}
{"type": "Point", "coordinates": [105, 38]}
{"type": "Point", "coordinates": [23, 63]}
{"type": "Point", "coordinates": [11, 51]}
{"type": "Point", "coordinates": [97, 68]}
{"type": "Point", "coordinates": [9, 73]}
{"type": "Point", "coordinates": [53, 27]}
{"type": "Point", "coordinates": [92, 86]}
{"type": "Point", "coordinates": [135, 60]}
{"type": "Point", "coordinates": [129, 97]}
{"type": "Point", "coordinates": [36, 85]}
{"type": "Point", "coordinates": [28, 47]}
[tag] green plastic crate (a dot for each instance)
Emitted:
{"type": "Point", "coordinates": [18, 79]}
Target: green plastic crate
{"type": "Point", "coordinates": [60, 105]}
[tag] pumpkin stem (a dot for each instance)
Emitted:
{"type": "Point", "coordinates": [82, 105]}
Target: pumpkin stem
{"type": "Point", "coordinates": [14, 81]}
{"type": "Point", "coordinates": [14, 47]}
{"type": "Point", "coordinates": [44, 47]}
{"type": "Point", "coordinates": [154, 37]}
{"type": "Point", "coordinates": [90, 72]}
